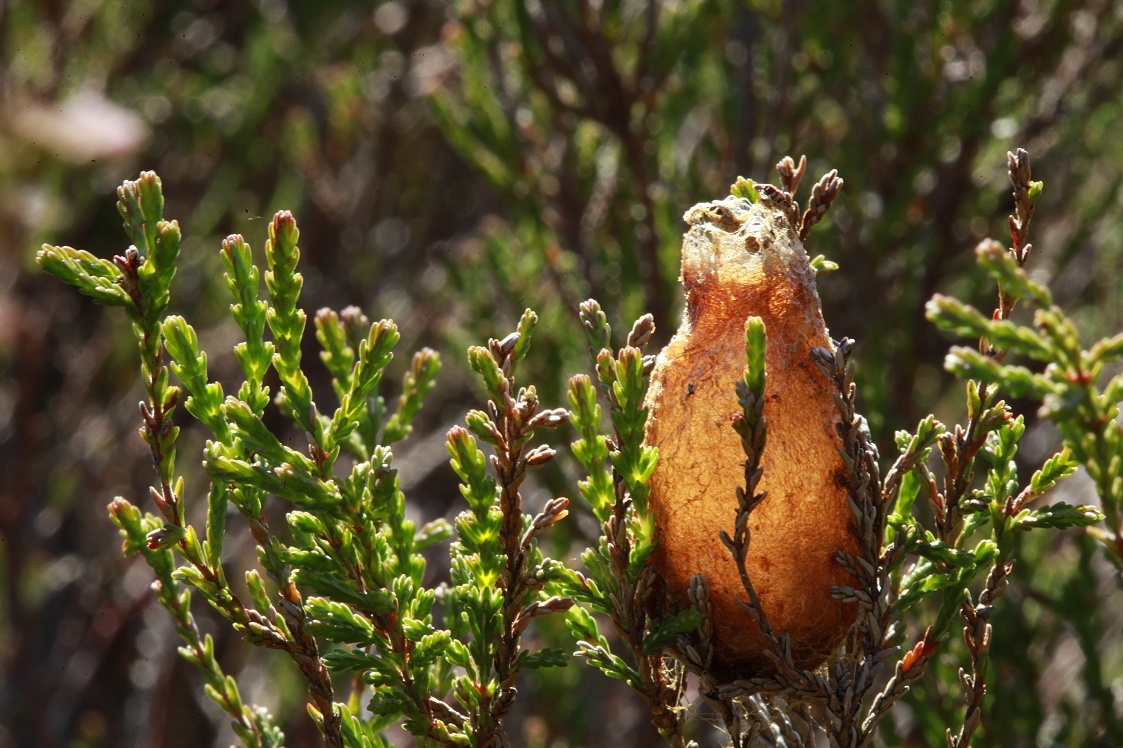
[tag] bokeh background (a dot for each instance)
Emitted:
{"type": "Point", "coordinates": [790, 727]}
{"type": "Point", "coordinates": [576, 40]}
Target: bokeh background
{"type": "Point", "coordinates": [452, 162]}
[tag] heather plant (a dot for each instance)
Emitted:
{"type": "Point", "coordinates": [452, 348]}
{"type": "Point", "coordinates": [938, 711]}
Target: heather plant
{"type": "Point", "coordinates": [934, 534]}
{"type": "Point", "coordinates": [351, 544]}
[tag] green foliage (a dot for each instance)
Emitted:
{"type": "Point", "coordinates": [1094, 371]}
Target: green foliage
{"type": "Point", "coordinates": [667, 631]}
{"type": "Point", "coordinates": [146, 278]}
{"type": "Point", "coordinates": [751, 387]}
{"type": "Point", "coordinates": [617, 579]}
{"type": "Point", "coordinates": [1070, 398]}
{"type": "Point", "coordinates": [1069, 386]}
{"type": "Point", "coordinates": [94, 277]}
{"type": "Point", "coordinates": [352, 545]}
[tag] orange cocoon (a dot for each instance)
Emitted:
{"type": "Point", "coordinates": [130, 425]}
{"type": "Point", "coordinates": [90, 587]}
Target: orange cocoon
{"type": "Point", "coordinates": [739, 260]}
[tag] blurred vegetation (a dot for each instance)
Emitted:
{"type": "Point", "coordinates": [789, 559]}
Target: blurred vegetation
{"type": "Point", "coordinates": [453, 163]}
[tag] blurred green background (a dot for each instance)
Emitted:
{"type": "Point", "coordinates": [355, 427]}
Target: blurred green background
{"type": "Point", "coordinates": [451, 163]}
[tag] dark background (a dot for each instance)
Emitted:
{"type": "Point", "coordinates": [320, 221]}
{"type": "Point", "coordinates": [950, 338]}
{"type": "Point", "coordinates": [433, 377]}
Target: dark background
{"type": "Point", "coordinates": [452, 163]}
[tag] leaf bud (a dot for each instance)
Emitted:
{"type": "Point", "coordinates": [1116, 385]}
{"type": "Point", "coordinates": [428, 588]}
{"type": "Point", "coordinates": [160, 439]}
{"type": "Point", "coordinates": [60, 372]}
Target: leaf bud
{"type": "Point", "coordinates": [548, 419]}
{"type": "Point", "coordinates": [165, 537]}
{"type": "Point", "coordinates": [539, 456]}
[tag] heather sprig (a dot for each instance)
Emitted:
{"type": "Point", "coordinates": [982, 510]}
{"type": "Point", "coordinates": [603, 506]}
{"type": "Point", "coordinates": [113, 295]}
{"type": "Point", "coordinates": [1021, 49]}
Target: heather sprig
{"type": "Point", "coordinates": [253, 725]}
{"type": "Point", "coordinates": [286, 321]}
{"type": "Point", "coordinates": [1069, 389]}
{"type": "Point", "coordinates": [254, 354]}
{"type": "Point", "coordinates": [971, 533]}
{"type": "Point", "coordinates": [500, 578]}
{"type": "Point", "coordinates": [353, 573]}
{"type": "Point", "coordinates": [144, 273]}
{"type": "Point", "coordinates": [618, 582]}
{"type": "Point", "coordinates": [751, 426]}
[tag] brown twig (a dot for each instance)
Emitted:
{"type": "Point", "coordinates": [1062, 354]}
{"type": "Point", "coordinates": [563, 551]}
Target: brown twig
{"type": "Point", "coordinates": [977, 628]}
{"type": "Point", "coordinates": [870, 503]}
{"type": "Point", "coordinates": [790, 174]}
{"type": "Point", "coordinates": [1021, 181]}
{"type": "Point", "coordinates": [695, 651]}
{"type": "Point", "coordinates": [822, 196]}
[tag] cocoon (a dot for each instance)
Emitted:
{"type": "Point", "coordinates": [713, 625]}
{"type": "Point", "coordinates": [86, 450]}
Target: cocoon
{"type": "Point", "coordinates": [741, 259]}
